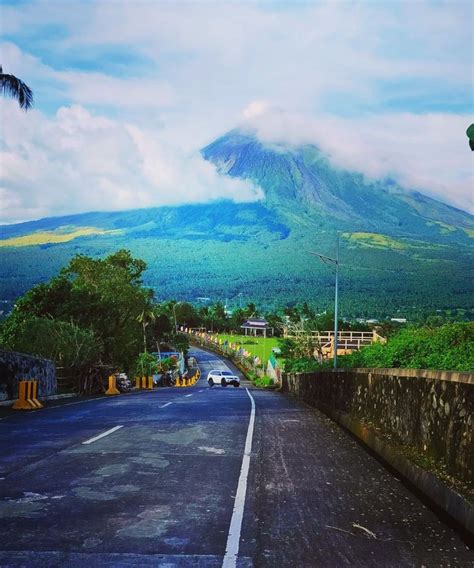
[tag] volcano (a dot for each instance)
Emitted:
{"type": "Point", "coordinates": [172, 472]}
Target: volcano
{"type": "Point", "coordinates": [401, 251]}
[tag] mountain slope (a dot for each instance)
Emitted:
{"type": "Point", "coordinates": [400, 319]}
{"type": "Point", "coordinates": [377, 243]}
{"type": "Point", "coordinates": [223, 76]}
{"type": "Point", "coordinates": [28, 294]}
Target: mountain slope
{"type": "Point", "coordinates": [399, 250]}
{"type": "Point", "coordinates": [304, 176]}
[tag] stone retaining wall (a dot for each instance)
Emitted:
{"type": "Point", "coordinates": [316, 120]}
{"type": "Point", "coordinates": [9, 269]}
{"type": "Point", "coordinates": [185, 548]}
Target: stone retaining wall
{"type": "Point", "coordinates": [17, 366]}
{"type": "Point", "coordinates": [430, 411]}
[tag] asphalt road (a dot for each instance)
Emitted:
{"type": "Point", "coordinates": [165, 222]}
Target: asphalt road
{"type": "Point", "coordinates": [168, 482]}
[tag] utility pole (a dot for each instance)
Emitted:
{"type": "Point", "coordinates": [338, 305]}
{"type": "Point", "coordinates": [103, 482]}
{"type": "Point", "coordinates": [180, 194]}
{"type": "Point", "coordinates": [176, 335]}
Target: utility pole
{"type": "Point", "coordinates": [334, 262]}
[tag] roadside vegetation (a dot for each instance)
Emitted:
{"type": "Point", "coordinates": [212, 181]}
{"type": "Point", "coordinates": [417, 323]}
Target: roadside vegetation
{"type": "Point", "coordinates": [448, 347]}
{"type": "Point", "coordinates": [94, 318]}
{"type": "Point", "coordinates": [265, 382]}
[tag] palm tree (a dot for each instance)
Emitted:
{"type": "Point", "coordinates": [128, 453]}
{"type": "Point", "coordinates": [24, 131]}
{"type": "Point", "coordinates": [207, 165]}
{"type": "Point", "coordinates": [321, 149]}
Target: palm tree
{"type": "Point", "coordinates": [15, 88]}
{"type": "Point", "coordinates": [146, 316]}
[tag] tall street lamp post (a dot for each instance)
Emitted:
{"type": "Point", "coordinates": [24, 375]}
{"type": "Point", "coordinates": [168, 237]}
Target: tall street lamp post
{"type": "Point", "coordinates": [333, 262]}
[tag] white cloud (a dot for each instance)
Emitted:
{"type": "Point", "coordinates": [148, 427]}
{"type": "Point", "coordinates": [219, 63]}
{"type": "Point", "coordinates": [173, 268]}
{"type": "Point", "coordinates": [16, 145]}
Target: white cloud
{"type": "Point", "coordinates": [79, 162]}
{"type": "Point", "coordinates": [206, 56]}
{"type": "Point", "coordinates": [131, 137]}
{"type": "Point", "coordinates": [427, 152]}
{"type": "Point", "coordinates": [255, 108]}
{"type": "Point", "coordinates": [100, 89]}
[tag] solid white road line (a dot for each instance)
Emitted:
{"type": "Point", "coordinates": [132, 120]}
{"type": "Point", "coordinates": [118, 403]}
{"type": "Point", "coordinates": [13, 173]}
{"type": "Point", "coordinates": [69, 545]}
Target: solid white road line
{"type": "Point", "coordinates": [167, 404]}
{"type": "Point", "coordinates": [233, 538]}
{"type": "Point", "coordinates": [102, 435]}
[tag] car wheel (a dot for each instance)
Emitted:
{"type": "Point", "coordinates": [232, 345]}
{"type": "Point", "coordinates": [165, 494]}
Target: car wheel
{"type": "Point", "coordinates": [224, 383]}
{"type": "Point", "coordinates": [236, 384]}
{"type": "Point", "coordinates": [211, 382]}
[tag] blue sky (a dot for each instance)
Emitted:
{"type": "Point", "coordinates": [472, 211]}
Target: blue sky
{"type": "Point", "coordinates": [126, 92]}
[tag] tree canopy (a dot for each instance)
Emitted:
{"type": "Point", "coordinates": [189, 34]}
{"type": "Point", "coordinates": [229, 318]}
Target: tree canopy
{"type": "Point", "coordinates": [15, 88]}
{"type": "Point", "coordinates": [103, 298]}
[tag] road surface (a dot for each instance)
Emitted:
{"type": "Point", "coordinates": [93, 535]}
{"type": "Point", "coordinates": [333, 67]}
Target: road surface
{"type": "Point", "coordinates": [192, 477]}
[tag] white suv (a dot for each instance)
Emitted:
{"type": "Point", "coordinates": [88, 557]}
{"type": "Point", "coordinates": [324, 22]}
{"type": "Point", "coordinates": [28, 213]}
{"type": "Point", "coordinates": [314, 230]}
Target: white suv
{"type": "Point", "coordinates": [222, 377]}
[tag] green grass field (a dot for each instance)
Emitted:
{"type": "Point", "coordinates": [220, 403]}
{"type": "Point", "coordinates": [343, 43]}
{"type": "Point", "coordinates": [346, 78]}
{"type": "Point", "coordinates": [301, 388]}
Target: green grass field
{"type": "Point", "coordinates": [259, 346]}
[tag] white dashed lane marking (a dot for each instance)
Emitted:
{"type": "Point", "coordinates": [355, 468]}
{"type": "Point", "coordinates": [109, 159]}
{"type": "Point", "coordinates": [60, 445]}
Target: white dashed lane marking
{"type": "Point", "coordinates": [102, 435]}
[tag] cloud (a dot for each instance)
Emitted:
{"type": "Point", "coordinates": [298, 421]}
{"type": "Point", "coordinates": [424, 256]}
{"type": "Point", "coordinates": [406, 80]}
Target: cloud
{"type": "Point", "coordinates": [255, 108]}
{"type": "Point", "coordinates": [383, 87]}
{"type": "Point", "coordinates": [207, 55]}
{"type": "Point", "coordinates": [427, 152]}
{"type": "Point", "coordinates": [79, 162]}
{"type": "Point", "coordinates": [100, 89]}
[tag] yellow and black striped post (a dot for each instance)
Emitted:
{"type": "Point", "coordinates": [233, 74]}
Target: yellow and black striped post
{"type": "Point", "coordinates": [34, 394]}
{"type": "Point", "coordinates": [27, 396]}
{"type": "Point", "coordinates": [112, 386]}
{"type": "Point", "coordinates": [22, 403]}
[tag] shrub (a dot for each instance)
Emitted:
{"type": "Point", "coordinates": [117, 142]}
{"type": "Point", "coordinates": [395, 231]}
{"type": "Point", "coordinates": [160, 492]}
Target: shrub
{"type": "Point", "coordinates": [449, 347]}
{"type": "Point", "coordinates": [265, 382]}
{"type": "Point", "coordinates": [145, 365]}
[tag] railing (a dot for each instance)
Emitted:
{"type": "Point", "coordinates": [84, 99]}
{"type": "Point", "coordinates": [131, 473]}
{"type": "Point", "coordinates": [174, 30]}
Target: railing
{"type": "Point", "coordinates": [347, 341]}
{"type": "Point", "coordinates": [231, 350]}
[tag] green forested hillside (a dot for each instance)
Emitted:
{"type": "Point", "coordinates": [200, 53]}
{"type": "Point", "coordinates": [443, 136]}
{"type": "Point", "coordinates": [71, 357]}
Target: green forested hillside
{"type": "Point", "coordinates": [398, 256]}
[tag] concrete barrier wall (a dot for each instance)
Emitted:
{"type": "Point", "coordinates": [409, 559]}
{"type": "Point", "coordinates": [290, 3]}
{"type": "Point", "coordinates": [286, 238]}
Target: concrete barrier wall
{"type": "Point", "coordinates": [17, 366]}
{"type": "Point", "coordinates": [430, 411]}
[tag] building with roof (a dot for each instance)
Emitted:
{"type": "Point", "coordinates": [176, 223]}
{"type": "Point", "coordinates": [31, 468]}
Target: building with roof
{"type": "Point", "coordinates": [255, 326]}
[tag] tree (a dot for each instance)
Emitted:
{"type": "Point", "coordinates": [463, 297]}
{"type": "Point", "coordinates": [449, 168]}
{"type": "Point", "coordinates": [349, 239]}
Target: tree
{"type": "Point", "coordinates": [301, 342]}
{"type": "Point", "coordinates": [65, 343]}
{"type": "Point", "coordinates": [251, 310]}
{"type": "Point", "coordinates": [16, 89]}
{"type": "Point", "coordinates": [470, 135]}
{"type": "Point", "coordinates": [186, 314]}
{"type": "Point", "coordinates": [217, 317]}
{"type": "Point", "coordinates": [103, 295]}
{"type": "Point", "coordinates": [275, 322]}
{"type": "Point", "coordinates": [181, 343]}
{"type": "Point", "coordinates": [161, 327]}
{"type": "Point", "coordinates": [146, 317]}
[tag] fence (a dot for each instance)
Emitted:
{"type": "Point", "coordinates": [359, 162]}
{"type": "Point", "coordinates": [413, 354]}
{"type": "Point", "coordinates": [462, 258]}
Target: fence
{"type": "Point", "coordinates": [347, 341]}
{"type": "Point", "coordinates": [233, 351]}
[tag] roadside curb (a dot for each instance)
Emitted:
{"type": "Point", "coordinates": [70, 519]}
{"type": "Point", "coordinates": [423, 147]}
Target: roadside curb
{"type": "Point", "coordinates": [9, 402]}
{"type": "Point", "coordinates": [7, 411]}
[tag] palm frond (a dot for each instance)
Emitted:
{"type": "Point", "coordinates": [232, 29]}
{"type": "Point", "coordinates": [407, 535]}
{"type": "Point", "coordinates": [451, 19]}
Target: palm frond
{"type": "Point", "coordinates": [13, 87]}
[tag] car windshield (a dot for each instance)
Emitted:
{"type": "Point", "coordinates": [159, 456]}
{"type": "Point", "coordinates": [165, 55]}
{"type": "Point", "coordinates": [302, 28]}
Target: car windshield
{"type": "Point", "coordinates": [226, 373]}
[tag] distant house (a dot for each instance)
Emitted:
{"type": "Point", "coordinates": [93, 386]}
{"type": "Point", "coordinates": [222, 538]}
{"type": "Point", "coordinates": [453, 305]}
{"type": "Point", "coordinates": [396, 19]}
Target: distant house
{"type": "Point", "coordinates": [255, 326]}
